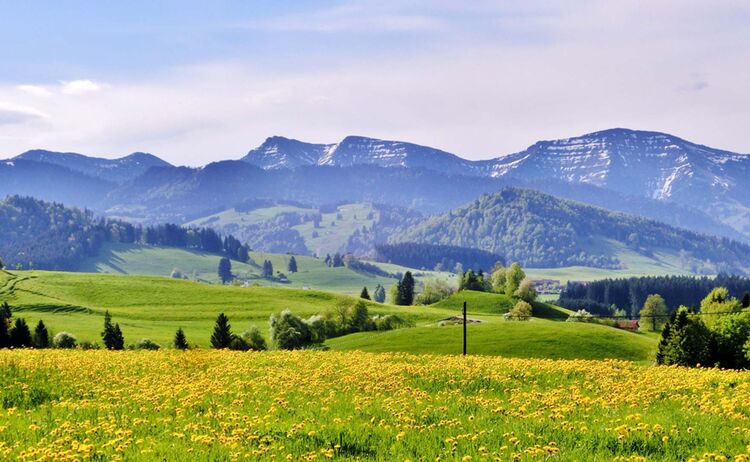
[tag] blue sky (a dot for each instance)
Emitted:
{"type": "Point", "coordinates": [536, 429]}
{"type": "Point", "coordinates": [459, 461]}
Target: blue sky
{"type": "Point", "coordinates": [199, 81]}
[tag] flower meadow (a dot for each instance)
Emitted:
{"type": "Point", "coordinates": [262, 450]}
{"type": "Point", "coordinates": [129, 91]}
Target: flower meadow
{"type": "Point", "coordinates": [67, 405]}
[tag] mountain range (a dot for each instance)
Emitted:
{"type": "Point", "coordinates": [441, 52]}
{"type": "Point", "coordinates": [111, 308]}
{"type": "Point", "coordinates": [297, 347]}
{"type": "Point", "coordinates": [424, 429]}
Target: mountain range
{"type": "Point", "coordinates": [654, 175]}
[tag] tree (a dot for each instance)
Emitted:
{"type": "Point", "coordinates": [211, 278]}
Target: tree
{"type": "Point", "coordinates": [180, 341]}
{"type": "Point", "coordinates": [64, 340]}
{"type": "Point", "coordinates": [653, 313]}
{"type": "Point", "coordinates": [717, 304]}
{"type": "Point", "coordinates": [222, 335]}
{"type": "Point", "coordinates": [267, 271]}
{"type": "Point", "coordinates": [20, 336]}
{"type": "Point", "coordinates": [731, 333]}
{"type": "Point", "coordinates": [685, 340]}
{"type": "Point", "coordinates": [292, 267]}
{"type": "Point", "coordinates": [405, 290]}
{"type": "Point", "coordinates": [746, 300]}
{"type": "Point", "coordinates": [379, 294]}
{"type": "Point", "coordinates": [288, 332]}
{"type": "Point", "coordinates": [112, 335]}
{"type": "Point", "coordinates": [526, 290]}
{"type": "Point", "coordinates": [513, 277]}
{"type": "Point", "coordinates": [2, 265]}
{"type": "Point", "coordinates": [364, 294]}
{"type": "Point", "coordinates": [521, 311]}
{"type": "Point", "coordinates": [225, 270]}
{"type": "Point", "coordinates": [41, 336]}
{"type": "Point", "coordinates": [433, 292]}
{"type": "Point", "coordinates": [359, 321]}
{"type": "Point", "coordinates": [497, 279]}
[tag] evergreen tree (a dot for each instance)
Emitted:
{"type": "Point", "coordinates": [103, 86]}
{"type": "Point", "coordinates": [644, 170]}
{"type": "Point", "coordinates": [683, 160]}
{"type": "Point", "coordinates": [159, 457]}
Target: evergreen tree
{"type": "Point", "coordinates": [338, 260]}
{"type": "Point", "coordinates": [5, 311]}
{"type": "Point", "coordinates": [688, 342]}
{"type": "Point", "coordinates": [20, 336]}
{"type": "Point", "coordinates": [180, 341]}
{"type": "Point", "coordinates": [41, 336]}
{"type": "Point", "coordinates": [379, 294]}
{"type": "Point", "coordinates": [292, 268]}
{"type": "Point", "coordinates": [328, 260]}
{"type": "Point", "coordinates": [405, 290]}
{"type": "Point", "coordinates": [222, 335]}
{"type": "Point", "coordinates": [112, 335]}
{"type": "Point", "coordinates": [225, 270]}
{"type": "Point", "coordinates": [746, 300]}
{"type": "Point", "coordinates": [364, 294]}
{"type": "Point", "coordinates": [267, 271]}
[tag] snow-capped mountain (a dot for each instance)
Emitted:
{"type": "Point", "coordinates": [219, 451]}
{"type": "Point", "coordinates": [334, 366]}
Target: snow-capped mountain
{"type": "Point", "coordinates": [115, 170]}
{"type": "Point", "coordinates": [279, 152]}
{"type": "Point", "coordinates": [642, 163]}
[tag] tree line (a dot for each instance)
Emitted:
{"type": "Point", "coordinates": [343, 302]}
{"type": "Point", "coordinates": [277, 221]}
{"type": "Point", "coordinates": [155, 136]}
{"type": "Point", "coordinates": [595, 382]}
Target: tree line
{"type": "Point", "coordinates": [604, 296]}
{"type": "Point", "coordinates": [48, 235]}
{"type": "Point", "coordinates": [437, 257]}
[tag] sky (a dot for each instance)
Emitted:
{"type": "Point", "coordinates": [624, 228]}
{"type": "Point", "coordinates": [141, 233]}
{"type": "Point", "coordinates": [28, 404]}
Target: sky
{"type": "Point", "coordinates": [196, 82]}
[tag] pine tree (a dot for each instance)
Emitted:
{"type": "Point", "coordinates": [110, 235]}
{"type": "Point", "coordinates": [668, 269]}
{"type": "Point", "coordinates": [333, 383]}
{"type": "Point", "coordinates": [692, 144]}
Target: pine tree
{"type": "Point", "coordinates": [292, 265]}
{"type": "Point", "coordinates": [746, 300]}
{"type": "Point", "coordinates": [364, 294]}
{"type": "Point", "coordinates": [407, 289]}
{"type": "Point", "coordinates": [222, 336]}
{"type": "Point", "coordinates": [225, 270]}
{"type": "Point", "coordinates": [267, 272]}
{"type": "Point", "coordinates": [41, 336]}
{"type": "Point", "coordinates": [20, 336]}
{"type": "Point", "coordinates": [112, 335]}
{"type": "Point", "coordinates": [180, 341]}
{"type": "Point", "coordinates": [379, 294]}
{"type": "Point", "coordinates": [5, 311]}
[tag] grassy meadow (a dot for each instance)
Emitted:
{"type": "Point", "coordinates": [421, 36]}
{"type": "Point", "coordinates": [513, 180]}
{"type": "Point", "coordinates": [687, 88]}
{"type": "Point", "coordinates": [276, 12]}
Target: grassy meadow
{"type": "Point", "coordinates": [202, 405]}
{"type": "Point", "coordinates": [154, 307]}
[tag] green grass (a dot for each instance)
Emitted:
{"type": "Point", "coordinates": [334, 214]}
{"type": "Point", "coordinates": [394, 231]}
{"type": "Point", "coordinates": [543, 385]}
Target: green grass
{"type": "Point", "coordinates": [333, 238]}
{"type": "Point", "coordinates": [232, 219]}
{"type": "Point", "coordinates": [537, 338]}
{"type": "Point", "coordinates": [154, 307]}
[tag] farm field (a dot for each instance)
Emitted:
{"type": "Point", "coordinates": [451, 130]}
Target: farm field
{"type": "Point", "coordinates": [203, 405]}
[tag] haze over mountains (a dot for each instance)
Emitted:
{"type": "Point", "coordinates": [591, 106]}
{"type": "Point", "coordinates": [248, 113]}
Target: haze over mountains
{"type": "Point", "coordinates": [654, 175]}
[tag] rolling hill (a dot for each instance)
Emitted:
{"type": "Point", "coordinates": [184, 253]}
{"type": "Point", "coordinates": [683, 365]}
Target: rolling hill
{"type": "Point", "coordinates": [539, 230]}
{"type": "Point", "coordinates": [154, 307]}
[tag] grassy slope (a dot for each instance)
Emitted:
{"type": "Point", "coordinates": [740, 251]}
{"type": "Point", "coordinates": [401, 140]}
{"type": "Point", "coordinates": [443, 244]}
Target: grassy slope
{"type": "Point", "coordinates": [155, 307]}
{"type": "Point", "coordinates": [152, 307]}
{"type": "Point", "coordinates": [332, 239]}
{"type": "Point", "coordinates": [139, 259]}
{"type": "Point", "coordinates": [232, 217]}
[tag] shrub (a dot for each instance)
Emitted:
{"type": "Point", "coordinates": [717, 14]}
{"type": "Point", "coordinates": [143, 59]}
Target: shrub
{"type": "Point", "coordinates": [147, 344]}
{"type": "Point", "coordinates": [521, 312]}
{"type": "Point", "coordinates": [581, 316]}
{"type": "Point", "coordinates": [86, 345]}
{"type": "Point", "coordinates": [238, 344]}
{"type": "Point", "coordinates": [254, 339]}
{"type": "Point", "coordinates": [64, 340]}
{"type": "Point", "coordinates": [433, 292]}
{"type": "Point", "coordinates": [289, 332]}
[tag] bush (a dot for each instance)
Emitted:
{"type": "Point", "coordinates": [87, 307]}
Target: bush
{"type": "Point", "coordinates": [86, 345]}
{"type": "Point", "coordinates": [64, 340]}
{"type": "Point", "coordinates": [433, 292]}
{"type": "Point", "coordinates": [390, 322]}
{"type": "Point", "coordinates": [147, 344]}
{"type": "Point", "coordinates": [289, 332]}
{"type": "Point", "coordinates": [238, 344]}
{"type": "Point", "coordinates": [581, 316]}
{"type": "Point", "coordinates": [521, 312]}
{"type": "Point", "coordinates": [254, 339]}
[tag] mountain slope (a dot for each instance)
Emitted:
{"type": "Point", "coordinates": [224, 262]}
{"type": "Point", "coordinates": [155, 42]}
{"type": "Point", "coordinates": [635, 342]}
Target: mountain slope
{"type": "Point", "coordinates": [114, 170]}
{"type": "Point", "coordinates": [279, 152]}
{"type": "Point", "coordinates": [540, 230]}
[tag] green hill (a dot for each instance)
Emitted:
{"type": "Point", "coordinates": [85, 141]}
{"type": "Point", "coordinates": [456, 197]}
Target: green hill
{"type": "Point", "coordinates": [539, 230]}
{"type": "Point", "coordinates": [537, 338]}
{"type": "Point", "coordinates": [154, 307]}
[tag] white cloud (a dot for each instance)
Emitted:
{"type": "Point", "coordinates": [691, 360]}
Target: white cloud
{"type": "Point", "coordinates": [18, 114]}
{"type": "Point", "coordinates": [79, 87]}
{"type": "Point", "coordinates": [36, 90]}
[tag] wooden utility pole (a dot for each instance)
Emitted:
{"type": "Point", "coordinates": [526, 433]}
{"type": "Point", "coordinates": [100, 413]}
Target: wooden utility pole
{"type": "Point", "coordinates": [464, 328]}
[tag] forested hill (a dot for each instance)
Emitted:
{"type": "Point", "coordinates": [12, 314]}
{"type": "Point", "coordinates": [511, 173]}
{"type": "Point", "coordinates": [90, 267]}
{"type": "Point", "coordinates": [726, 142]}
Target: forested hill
{"type": "Point", "coordinates": [539, 230]}
{"type": "Point", "coordinates": [48, 235]}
